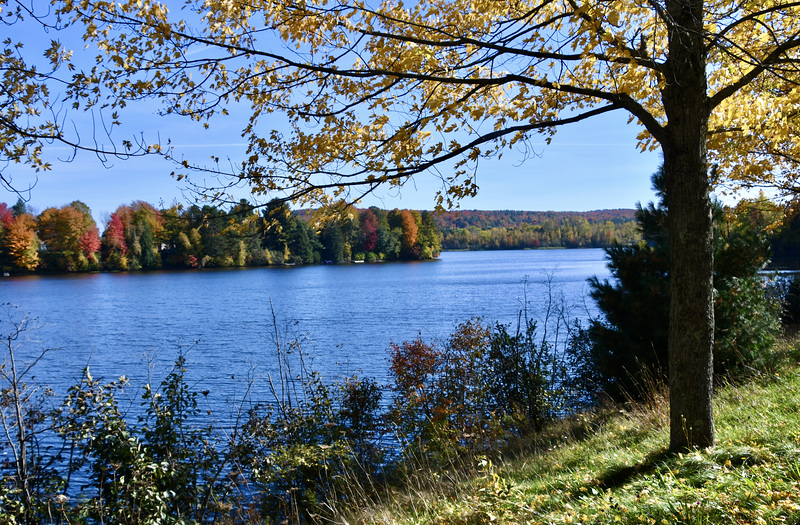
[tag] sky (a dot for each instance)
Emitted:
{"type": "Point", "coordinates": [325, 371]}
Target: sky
{"type": "Point", "coordinates": [588, 166]}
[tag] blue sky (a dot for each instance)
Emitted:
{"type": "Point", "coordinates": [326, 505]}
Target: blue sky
{"type": "Point", "coordinates": [591, 165]}
{"type": "Point", "coordinates": [588, 166]}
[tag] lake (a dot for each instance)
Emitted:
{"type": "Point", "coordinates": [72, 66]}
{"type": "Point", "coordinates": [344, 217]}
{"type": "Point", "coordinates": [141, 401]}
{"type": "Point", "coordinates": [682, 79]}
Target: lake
{"type": "Point", "coordinates": [346, 316]}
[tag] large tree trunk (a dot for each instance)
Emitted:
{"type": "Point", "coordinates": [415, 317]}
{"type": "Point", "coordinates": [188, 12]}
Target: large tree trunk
{"type": "Point", "coordinates": [691, 323]}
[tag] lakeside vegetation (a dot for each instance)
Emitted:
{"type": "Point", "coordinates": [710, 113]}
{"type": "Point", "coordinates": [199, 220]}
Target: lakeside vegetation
{"type": "Point", "coordinates": [140, 237]}
{"type": "Point", "coordinates": [539, 422]}
{"type": "Point", "coordinates": [509, 230]}
{"type": "Point", "coordinates": [474, 433]}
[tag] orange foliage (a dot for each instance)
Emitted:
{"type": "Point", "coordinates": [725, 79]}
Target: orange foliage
{"type": "Point", "coordinates": [22, 243]}
{"type": "Point", "coordinates": [408, 241]}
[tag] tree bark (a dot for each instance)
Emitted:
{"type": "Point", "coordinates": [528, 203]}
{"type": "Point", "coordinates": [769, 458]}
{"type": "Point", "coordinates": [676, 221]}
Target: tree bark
{"type": "Point", "coordinates": [691, 330]}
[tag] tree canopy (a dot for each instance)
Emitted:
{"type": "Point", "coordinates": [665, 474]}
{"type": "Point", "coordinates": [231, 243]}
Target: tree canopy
{"type": "Point", "coordinates": [374, 93]}
{"type": "Point", "coordinates": [346, 96]}
{"type": "Point", "coordinates": [38, 77]}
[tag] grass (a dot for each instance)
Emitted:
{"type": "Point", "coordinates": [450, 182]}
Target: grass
{"type": "Point", "coordinates": [612, 467]}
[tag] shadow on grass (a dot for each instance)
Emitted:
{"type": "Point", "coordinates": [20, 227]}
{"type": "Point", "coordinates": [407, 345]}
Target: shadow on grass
{"type": "Point", "coordinates": [573, 429]}
{"type": "Point", "coordinates": [619, 475]}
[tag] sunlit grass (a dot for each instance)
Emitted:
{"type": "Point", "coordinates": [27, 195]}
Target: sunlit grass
{"type": "Point", "coordinates": [613, 467]}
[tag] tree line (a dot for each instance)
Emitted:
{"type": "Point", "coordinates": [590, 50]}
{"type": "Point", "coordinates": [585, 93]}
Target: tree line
{"type": "Point", "coordinates": [513, 230]}
{"type": "Point", "coordinates": [138, 236]}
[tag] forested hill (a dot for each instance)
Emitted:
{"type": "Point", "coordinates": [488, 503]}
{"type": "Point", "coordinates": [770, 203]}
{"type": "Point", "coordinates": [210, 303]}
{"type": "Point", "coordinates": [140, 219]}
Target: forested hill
{"type": "Point", "coordinates": [485, 220]}
{"type": "Point", "coordinates": [509, 229]}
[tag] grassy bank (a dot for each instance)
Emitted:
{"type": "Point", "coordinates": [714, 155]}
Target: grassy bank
{"type": "Point", "coordinates": [612, 467]}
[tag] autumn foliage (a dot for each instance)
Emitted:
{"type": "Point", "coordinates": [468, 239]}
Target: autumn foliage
{"type": "Point", "coordinates": [140, 237]}
{"type": "Point", "coordinates": [6, 215]}
{"type": "Point", "coordinates": [22, 243]}
{"type": "Point", "coordinates": [513, 230]}
{"type": "Point", "coordinates": [69, 238]}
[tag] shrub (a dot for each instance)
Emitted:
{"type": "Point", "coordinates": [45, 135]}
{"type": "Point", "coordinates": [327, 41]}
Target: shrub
{"type": "Point", "coordinates": [164, 469]}
{"type": "Point", "coordinates": [310, 443]}
{"type": "Point", "coordinates": [439, 407]}
{"type": "Point", "coordinates": [747, 323]}
{"type": "Point", "coordinates": [29, 477]}
{"type": "Point", "coordinates": [524, 377]}
{"type": "Point", "coordinates": [479, 389]}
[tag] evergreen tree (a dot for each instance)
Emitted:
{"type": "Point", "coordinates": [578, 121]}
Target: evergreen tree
{"type": "Point", "coordinates": [216, 244]}
{"type": "Point", "coordinates": [19, 208]}
{"type": "Point", "coordinates": [333, 243]}
{"type": "Point", "coordinates": [302, 242]}
{"type": "Point", "coordinates": [629, 344]}
{"type": "Point", "coordinates": [150, 259]}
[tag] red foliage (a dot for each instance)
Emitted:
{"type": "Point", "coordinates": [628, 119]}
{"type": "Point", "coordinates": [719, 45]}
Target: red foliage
{"type": "Point", "coordinates": [413, 366]}
{"type": "Point", "coordinates": [115, 234]}
{"type": "Point", "coordinates": [90, 241]}
{"type": "Point", "coordinates": [6, 215]}
{"type": "Point", "coordinates": [369, 228]}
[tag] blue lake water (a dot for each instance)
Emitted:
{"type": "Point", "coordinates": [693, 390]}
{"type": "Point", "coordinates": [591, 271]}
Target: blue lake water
{"type": "Point", "coordinates": [345, 315]}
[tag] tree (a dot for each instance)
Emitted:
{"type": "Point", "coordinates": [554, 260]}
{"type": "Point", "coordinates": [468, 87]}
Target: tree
{"type": "Point", "coordinates": [404, 221]}
{"type": "Point", "coordinates": [113, 243]}
{"type": "Point", "coordinates": [245, 229]}
{"type": "Point", "coordinates": [142, 224]}
{"type": "Point", "coordinates": [629, 345]}
{"type": "Point", "coordinates": [277, 217]}
{"type": "Point", "coordinates": [90, 241]}
{"type": "Point", "coordinates": [6, 215]}
{"type": "Point", "coordinates": [369, 230]}
{"type": "Point", "coordinates": [377, 94]}
{"type": "Point", "coordinates": [22, 243]}
{"type": "Point", "coordinates": [19, 207]}
{"type": "Point", "coordinates": [333, 242]}
{"type": "Point", "coordinates": [430, 237]}
{"type": "Point", "coordinates": [388, 241]}
{"type": "Point", "coordinates": [302, 242]}
{"type": "Point", "coordinates": [6, 218]}
{"type": "Point", "coordinates": [150, 259]}
{"type": "Point", "coordinates": [177, 250]}
{"type": "Point", "coordinates": [217, 244]}
{"type": "Point", "coordinates": [69, 237]}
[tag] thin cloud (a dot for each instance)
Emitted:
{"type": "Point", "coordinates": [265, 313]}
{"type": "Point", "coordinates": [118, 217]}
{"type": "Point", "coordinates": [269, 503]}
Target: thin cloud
{"type": "Point", "coordinates": [209, 145]}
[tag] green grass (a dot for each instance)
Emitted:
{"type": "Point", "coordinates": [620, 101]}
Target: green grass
{"type": "Point", "coordinates": [613, 467]}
